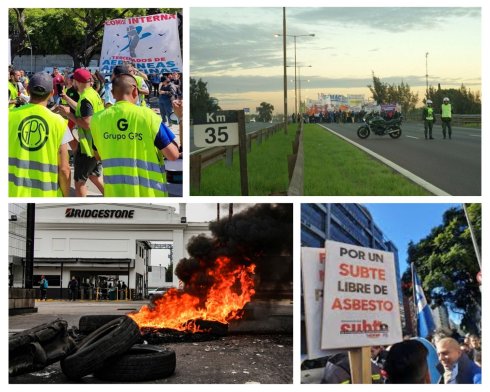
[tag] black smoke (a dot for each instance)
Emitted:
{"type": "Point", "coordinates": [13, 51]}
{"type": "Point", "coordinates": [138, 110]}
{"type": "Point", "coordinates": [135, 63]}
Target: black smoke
{"type": "Point", "coordinates": [250, 236]}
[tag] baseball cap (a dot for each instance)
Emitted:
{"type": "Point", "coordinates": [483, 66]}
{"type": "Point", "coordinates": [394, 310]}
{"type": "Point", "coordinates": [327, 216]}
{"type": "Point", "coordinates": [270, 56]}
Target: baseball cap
{"type": "Point", "coordinates": [40, 84]}
{"type": "Point", "coordinates": [82, 75]}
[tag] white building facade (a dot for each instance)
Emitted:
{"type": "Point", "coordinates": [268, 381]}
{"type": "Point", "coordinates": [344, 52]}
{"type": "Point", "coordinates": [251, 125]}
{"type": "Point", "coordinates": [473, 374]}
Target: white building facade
{"type": "Point", "coordinates": [105, 244]}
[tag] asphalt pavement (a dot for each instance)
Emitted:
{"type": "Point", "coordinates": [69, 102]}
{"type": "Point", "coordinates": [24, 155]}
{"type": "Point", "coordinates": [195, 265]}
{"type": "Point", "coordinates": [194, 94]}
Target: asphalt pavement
{"type": "Point", "coordinates": [453, 165]}
{"type": "Point", "coordinates": [233, 359]}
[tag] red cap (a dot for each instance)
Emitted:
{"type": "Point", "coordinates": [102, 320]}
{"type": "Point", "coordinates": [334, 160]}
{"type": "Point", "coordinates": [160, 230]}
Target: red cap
{"type": "Point", "coordinates": [82, 75]}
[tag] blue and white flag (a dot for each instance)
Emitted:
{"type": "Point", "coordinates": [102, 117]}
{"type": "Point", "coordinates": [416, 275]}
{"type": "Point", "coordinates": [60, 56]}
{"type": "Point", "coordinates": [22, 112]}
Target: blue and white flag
{"type": "Point", "coordinates": [425, 323]}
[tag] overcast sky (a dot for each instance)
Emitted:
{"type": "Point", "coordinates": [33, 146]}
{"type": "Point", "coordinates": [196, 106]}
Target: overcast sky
{"type": "Point", "coordinates": [235, 51]}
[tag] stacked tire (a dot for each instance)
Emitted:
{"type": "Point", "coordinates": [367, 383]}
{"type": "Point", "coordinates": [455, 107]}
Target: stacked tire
{"type": "Point", "coordinates": [111, 352]}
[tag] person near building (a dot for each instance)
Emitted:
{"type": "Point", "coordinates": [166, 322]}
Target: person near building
{"type": "Point", "coordinates": [89, 103]}
{"type": "Point", "coordinates": [131, 141]}
{"type": "Point", "coordinates": [406, 363]}
{"type": "Point", "coordinates": [429, 119]}
{"type": "Point", "coordinates": [73, 288]}
{"type": "Point", "coordinates": [455, 366]}
{"type": "Point", "coordinates": [43, 286]}
{"type": "Point", "coordinates": [124, 289]}
{"type": "Point", "coordinates": [38, 151]}
{"type": "Point", "coordinates": [446, 113]}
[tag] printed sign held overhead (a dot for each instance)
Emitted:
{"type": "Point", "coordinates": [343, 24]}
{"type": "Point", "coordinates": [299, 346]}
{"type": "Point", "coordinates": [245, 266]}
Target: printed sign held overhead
{"type": "Point", "coordinates": [360, 305]}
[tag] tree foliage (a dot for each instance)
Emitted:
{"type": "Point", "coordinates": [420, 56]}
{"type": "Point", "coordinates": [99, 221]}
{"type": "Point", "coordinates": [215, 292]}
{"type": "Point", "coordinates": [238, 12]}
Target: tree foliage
{"type": "Point", "coordinates": [463, 100]}
{"type": "Point", "coordinates": [447, 265]}
{"type": "Point", "coordinates": [77, 32]}
{"type": "Point", "coordinates": [200, 101]}
{"type": "Point", "coordinates": [384, 93]}
{"type": "Point", "coordinates": [265, 112]}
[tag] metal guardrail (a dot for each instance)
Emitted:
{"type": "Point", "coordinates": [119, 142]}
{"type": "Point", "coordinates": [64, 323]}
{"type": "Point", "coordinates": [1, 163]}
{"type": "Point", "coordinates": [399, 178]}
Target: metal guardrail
{"type": "Point", "coordinates": [199, 159]}
{"type": "Point", "coordinates": [296, 163]}
{"type": "Point", "coordinates": [456, 119]}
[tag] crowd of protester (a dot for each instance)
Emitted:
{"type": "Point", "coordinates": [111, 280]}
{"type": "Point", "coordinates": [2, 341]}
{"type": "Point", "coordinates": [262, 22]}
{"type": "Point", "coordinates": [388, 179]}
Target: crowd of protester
{"type": "Point", "coordinates": [408, 362]}
{"type": "Point", "coordinates": [77, 96]}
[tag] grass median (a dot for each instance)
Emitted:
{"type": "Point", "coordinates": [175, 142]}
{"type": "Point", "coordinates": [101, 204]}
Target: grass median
{"type": "Point", "coordinates": [267, 169]}
{"type": "Point", "coordinates": [333, 167]}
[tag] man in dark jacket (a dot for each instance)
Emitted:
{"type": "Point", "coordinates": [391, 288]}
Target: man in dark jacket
{"type": "Point", "coordinates": [456, 367]}
{"type": "Point", "coordinates": [73, 287]}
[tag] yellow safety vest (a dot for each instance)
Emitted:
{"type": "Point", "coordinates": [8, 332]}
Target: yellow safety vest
{"type": "Point", "coordinates": [13, 94]}
{"type": "Point", "coordinates": [139, 83]}
{"type": "Point", "coordinates": [84, 135]}
{"type": "Point", "coordinates": [446, 110]}
{"type": "Point", "coordinates": [430, 114]}
{"type": "Point", "coordinates": [124, 136]}
{"type": "Point", "coordinates": [35, 136]}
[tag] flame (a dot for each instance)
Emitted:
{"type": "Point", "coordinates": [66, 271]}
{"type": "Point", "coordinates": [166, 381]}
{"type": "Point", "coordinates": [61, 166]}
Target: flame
{"type": "Point", "coordinates": [232, 289]}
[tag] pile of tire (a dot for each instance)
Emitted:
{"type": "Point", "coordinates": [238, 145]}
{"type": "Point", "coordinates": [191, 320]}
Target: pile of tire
{"type": "Point", "coordinates": [38, 347]}
{"type": "Point", "coordinates": [112, 351]}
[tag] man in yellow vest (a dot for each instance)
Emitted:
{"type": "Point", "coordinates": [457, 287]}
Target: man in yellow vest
{"type": "Point", "coordinates": [14, 99]}
{"type": "Point", "coordinates": [131, 142]}
{"type": "Point", "coordinates": [89, 103]}
{"type": "Point", "coordinates": [429, 119]}
{"type": "Point", "coordinates": [140, 81]}
{"type": "Point", "coordinates": [38, 152]}
{"type": "Point", "coordinates": [446, 112]}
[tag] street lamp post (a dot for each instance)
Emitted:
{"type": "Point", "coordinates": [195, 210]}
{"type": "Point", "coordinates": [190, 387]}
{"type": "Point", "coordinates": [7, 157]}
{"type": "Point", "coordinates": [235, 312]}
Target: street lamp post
{"type": "Point", "coordinates": [426, 77]}
{"type": "Point", "coordinates": [295, 82]}
{"type": "Point", "coordinates": [299, 80]}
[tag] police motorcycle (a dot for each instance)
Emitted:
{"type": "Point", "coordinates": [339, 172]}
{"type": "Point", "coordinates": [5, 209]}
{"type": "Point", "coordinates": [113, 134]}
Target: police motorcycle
{"type": "Point", "coordinates": [379, 126]}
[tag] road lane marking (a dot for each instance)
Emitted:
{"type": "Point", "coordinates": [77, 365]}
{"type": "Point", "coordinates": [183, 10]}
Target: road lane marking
{"type": "Point", "coordinates": [476, 135]}
{"type": "Point", "coordinates": [411, 137]}
{"type": "Point", "coordinates": [411, 176]}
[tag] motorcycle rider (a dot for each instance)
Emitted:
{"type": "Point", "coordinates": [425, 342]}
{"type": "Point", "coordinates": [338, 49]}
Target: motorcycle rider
{"type": "Point", "coordinates": [429, 119]}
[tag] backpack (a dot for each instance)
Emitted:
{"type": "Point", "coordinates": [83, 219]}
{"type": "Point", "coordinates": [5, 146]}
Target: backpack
{"type": "Point", "coordinates": [45, 284]}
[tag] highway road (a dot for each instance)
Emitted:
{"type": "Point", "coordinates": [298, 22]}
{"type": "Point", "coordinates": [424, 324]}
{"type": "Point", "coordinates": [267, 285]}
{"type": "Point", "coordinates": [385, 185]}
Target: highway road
{"type": "Point", "coordinates": [451, 165]}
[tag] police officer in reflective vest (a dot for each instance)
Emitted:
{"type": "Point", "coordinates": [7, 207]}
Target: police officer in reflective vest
{"type": "Point", "coordinates": [89, 103]}
{"type": "Point", "coordinates": [446, 112]}
{"type": "Point", "coordinates": [429, 119]}
{"type": "Point", "coordinates": [38, 152]}
{"type": "Point", "coordinates": [131, 142]}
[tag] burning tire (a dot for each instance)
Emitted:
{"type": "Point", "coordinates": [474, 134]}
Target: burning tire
{"type": "Point", "coordinates": [140, 363]}
{"type": "Point", "coordinates": [112, 339]}
{"type": "Point", "coordinates": [90, 323]}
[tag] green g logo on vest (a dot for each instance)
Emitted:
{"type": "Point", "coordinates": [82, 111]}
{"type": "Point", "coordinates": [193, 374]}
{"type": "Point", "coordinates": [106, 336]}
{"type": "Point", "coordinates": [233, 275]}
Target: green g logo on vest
{"type": "Point", "coordinates": [33, 133]}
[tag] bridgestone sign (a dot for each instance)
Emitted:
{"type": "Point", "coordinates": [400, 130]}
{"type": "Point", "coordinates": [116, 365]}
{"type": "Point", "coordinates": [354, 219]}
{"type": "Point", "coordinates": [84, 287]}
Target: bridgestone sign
{"type": "Point", "coordinates": [102, 214]}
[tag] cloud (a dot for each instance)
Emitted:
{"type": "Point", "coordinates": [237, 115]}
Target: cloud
{"type": "Point", "coordinates": [245, 84]}
{"type": "Point", "coordinates": [390, 19]}
{"type": "Point", "coordinates": [217, 46]}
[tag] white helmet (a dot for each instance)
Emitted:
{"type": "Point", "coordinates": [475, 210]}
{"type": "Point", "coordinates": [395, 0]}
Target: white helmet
{"type": "Point", "coordinates": [446, 99]}
{"type": "Point", "coordinates": [429, 101]}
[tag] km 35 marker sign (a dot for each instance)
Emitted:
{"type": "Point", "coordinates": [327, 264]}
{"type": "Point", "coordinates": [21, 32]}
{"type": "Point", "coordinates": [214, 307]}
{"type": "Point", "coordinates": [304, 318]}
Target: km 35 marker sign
{"type": "Point", "coordinates": [216, 129]}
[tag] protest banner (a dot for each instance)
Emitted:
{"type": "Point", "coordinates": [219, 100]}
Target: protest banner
{"type": "Point", "coordinates": [151, 42]}
{"type": "Point", "coordinates": [313, 272]}
{"type": "Point", "coordinates": [361, 305]}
